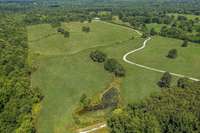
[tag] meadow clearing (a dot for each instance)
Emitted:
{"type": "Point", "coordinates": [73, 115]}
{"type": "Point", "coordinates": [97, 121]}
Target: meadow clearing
{"type": "Point", "coordinates": [65, 71]}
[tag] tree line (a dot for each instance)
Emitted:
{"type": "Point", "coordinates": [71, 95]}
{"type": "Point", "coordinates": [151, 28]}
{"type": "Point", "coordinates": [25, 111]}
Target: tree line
{"type": "Point", "coordinates": [174, 110]}
{"type": "Point", "coordinates": [17, 97]}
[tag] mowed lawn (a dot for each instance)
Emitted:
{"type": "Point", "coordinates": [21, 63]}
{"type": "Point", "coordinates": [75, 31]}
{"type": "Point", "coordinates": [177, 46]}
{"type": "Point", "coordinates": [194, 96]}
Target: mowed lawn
{"type": "Point", "coordinates": [154, 55]}
{"type": "Point", "coordinates": [65, 70]}
{"type": "Point", "coordinates": [56, 44]}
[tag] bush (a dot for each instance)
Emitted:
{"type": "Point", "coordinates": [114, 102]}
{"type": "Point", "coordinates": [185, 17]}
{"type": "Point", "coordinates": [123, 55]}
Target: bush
{"type": "Point", "coordinates": [185, 43]}
{"type": "Point", "coordinates": [85, 101]}
{"type": "Point", "coordinates": [112, 65]}
{"type": "Point", "coordinates": [145, 35]}
{"type": "Point", "coordinates": [172, 54]}
{"type": "Point", "coordinates": [98, 56]}
{"type": "Point", "coordinates": [153, 32]}
{"type": "Point", "coordinates": [165, 81]}
{"type": "Point", "coordinates": [86, 29]}
{"type": "Point", "coordinates": [61, 30]}
{"type": "Point", "coordinates": [183, 83]}
{"type": "Point", "coordinates": [119, 72]}
{"type": "Point", "coordinates": [66, 34]}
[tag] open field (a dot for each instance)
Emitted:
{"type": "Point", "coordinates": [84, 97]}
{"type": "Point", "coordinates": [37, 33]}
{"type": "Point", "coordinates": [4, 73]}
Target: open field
{"type": "Point", "coordinates": [154, 55]}
{"type": "Point", "coordinates": [65, 71]}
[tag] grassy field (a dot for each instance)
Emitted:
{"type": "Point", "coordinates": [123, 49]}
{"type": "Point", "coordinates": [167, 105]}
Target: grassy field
{"type": "Point", "coordinates": [154, 55]}
{"type": "Point", "coordinates": [65, 71]}
{"type": "Point", "coordinates": [55, 44]}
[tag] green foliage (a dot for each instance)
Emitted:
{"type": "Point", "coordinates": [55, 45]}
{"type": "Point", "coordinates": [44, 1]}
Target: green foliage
{"type": "Point", "coordinates": [86, 29]}
{"type": "Point", "coordinates": [16, 95]}
{"type": "Point", "coordinates": [153, 32]}
{"type": "Point", "coordinates": [98, 56]}
{"type": "Point", "coordinates": [172, 111]}
{"type": "Point", "coordinates": [61, 30]}
{"type": "Point", "coordinates": [84, 101]}
{"type": "Point", "coordinates": [183, 83]}
{"type": "Point", "coordinates": [112, 65]}
{"type": "Point", "coordinates": [138, 122]}
{"type": "Point", "coordinates": [66, 34]}
{"type": "Point", "coordinates": [145, 35]}
{"type": "Point", "coordinates": [165, 80]}
{"type": "Point", "coordinates": [185, 43]}
{"type": "Point", "coordinates": [172, 54]}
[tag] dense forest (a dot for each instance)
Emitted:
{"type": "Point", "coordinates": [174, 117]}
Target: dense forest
{"type": "Point", "coordinates": [16, 94]}
{"type": "Point", "coordinates": [174, 110]}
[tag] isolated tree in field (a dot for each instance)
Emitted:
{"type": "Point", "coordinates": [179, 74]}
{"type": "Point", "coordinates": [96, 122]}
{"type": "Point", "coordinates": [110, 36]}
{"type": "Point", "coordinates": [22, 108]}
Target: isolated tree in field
{"type": "Point", "coordinates": [172, 54]}
{"type": "Point", "coordinates": [60, 30]}
{"type": "Point", "coordinates": [66, 34]}
{"type": "Point", "coordinates": [112, 65]}
{"type": "Point", "coordinates": [84, 101]}
{"type": "Point", "coordinates": [86, 29]}
{"type": "Point", "coordinates": [89, 20]}
{"type": "Point", "coordinates": [145, 35]}
{"type": "Point", "coordinates": [183, 83]}
{"type": "Point", "coordinates": [98, 56]}
{"type": "Point", "coordinates": [165, 80]}
{"type": "Point", "coordinates": [185, 43]}
{"type": "Point", "coordinates": [153, 32]}
{"type": "Point", "coordinates": [119, 72]}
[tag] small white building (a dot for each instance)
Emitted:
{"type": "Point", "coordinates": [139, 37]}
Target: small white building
{"type": "Point", "coordinates": [96, 19]}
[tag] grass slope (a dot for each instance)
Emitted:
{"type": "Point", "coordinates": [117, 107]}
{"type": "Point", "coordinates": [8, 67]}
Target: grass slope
{"type": "Point", "coordinates": [65, 71]}
{"type": "Point", "coordinates": [154, 55]}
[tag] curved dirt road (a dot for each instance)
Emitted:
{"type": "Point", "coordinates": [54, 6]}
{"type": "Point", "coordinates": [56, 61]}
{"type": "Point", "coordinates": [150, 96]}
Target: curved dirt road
{"type": "Point", "coordinates": [150, 68]}
{"type": "Point", "coordinates": [141, 66]}
{"type": "Point", "coordinates": [93, 128]}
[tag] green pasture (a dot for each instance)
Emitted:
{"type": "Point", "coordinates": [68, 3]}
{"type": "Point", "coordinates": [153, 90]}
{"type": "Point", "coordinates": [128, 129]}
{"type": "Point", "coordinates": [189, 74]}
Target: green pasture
{"type": "Point", "coordinates": [65, 70]}
{"type": "Point", "coordinates": [154, 55]}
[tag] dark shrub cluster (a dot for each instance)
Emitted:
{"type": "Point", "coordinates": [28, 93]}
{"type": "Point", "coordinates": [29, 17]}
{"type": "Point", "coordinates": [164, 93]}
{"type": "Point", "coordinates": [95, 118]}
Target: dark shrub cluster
{"type": "Point", "coordinates": [64, 32]}
{"type": "Point", "coordinates": [153, 32]}
{"type": "Point", "coordinates": [112, 65]}
{"type": "Point", "coordinates": [86, 29]}
{"type": "Point", "coordinates": [165, 80]}
{"type": "Point", "coordinates": [183, 83]}
{"type": "Point", "coordinates": [98, 56]}
{"type": "Point", "coordinates": [185, 43]}
{"type": "Point", "coordinates": [172, 54]}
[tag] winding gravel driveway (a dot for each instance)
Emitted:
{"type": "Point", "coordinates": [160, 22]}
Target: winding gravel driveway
{"type": "Point", "coordinates": [141, 66]}
{"type": "Point", "coordinates": [150, 68]}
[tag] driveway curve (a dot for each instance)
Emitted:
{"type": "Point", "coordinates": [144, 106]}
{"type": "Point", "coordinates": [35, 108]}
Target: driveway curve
{"type": "Point", "coordinates": [99, 126]}
{"type": "Point", "coordinates": [151, 68]}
